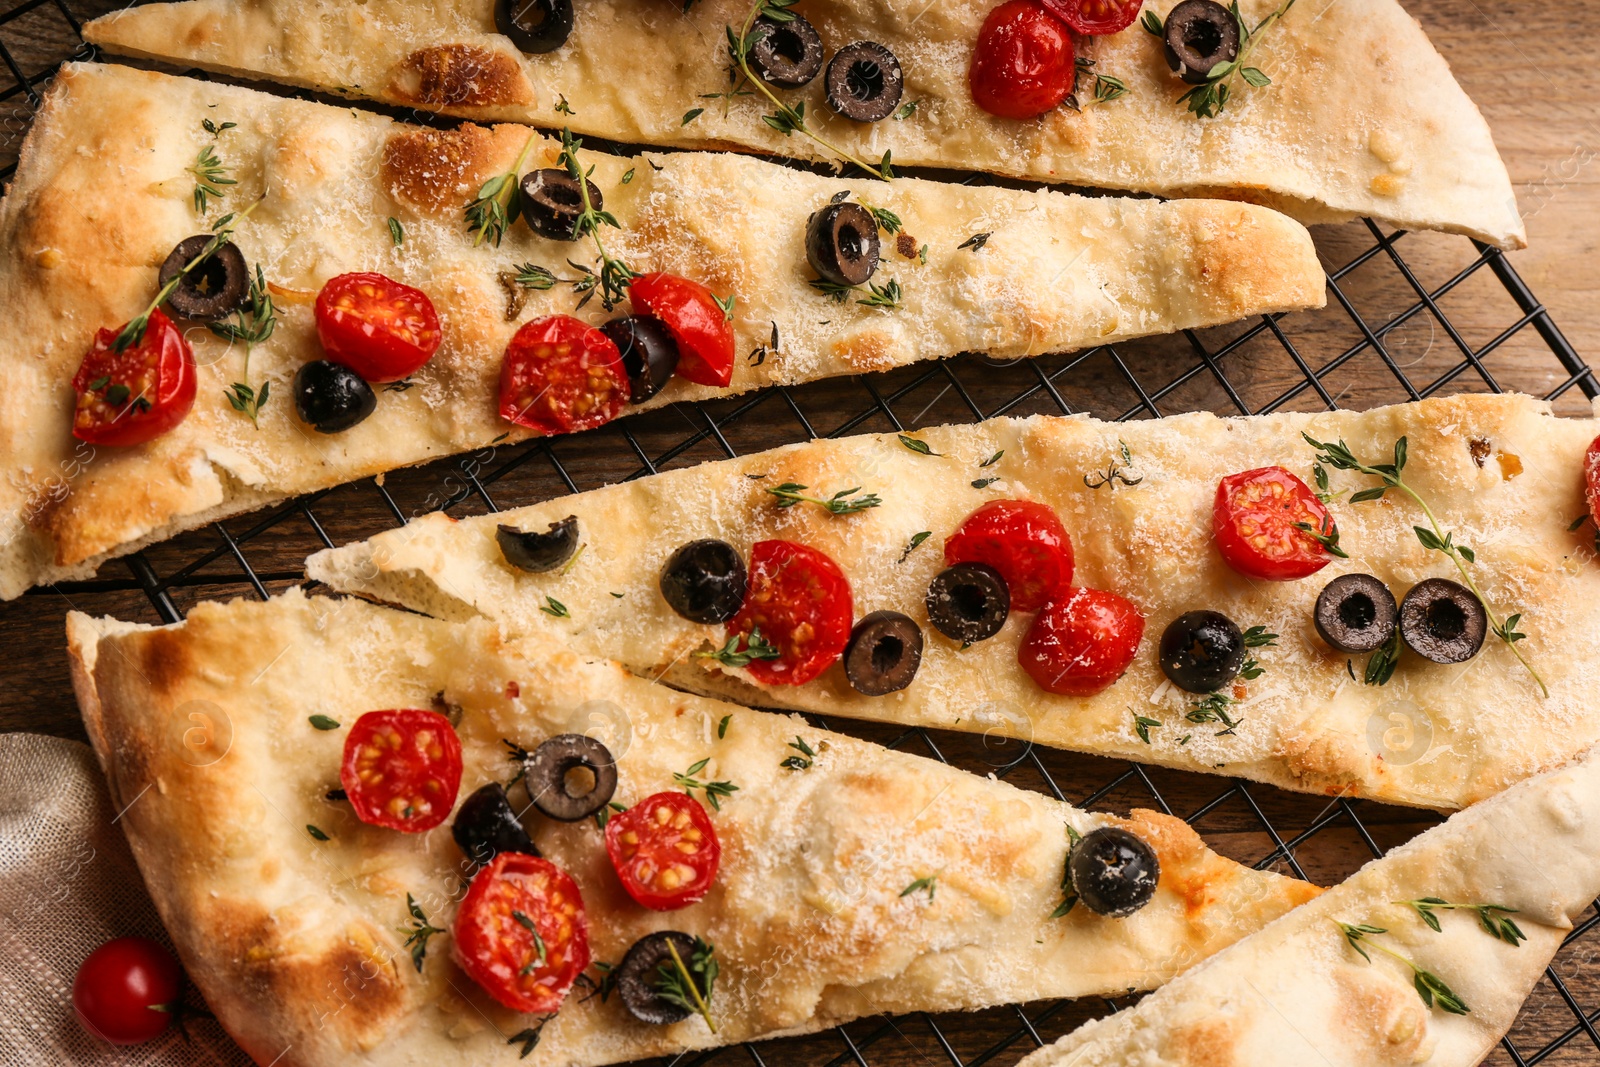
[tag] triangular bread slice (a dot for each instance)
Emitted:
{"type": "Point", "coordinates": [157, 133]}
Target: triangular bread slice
{"type": "Point", "coordinates": [203, 729]}
{"type": "Point", "coordinates": [1499, 471]}
{"type": "Point", "coordinates": [1363, 116]}
{"type": "Point", "coordinates": [104, 192]}
{"type": "Point", "coordinates": [1297, 993]}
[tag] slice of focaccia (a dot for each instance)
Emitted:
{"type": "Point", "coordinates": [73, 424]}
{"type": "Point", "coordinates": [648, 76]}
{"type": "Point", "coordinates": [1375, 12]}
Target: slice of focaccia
{"type": "Point", "coordinates": [1299, 992]}
{"type": "Point", "coordinates": [108, 186]}
{"type": "Point", "coordinates": [1500, 473]}
{"type": "Point", "coordinates": [222, 736]}
{"type": "Point", "coordinates": [1404, 143]}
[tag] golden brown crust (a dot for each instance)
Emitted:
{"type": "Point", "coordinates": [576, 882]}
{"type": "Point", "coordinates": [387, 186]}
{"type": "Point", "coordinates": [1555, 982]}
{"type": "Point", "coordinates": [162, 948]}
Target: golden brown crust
{"type": "Point", "coordinates": [460, 76]}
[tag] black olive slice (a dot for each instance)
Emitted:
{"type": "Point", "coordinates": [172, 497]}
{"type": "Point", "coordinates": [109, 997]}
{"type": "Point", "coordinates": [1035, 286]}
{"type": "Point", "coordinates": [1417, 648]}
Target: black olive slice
{"type": "Point", "coordinates": [1355, 613]}
{"type": "Point", "coordinates": [534, 25]}
{"type": "Point", "coordinates": [864, 82]}
{"type": "Point", "coordinates": [968, 602]}
{"type": "Point", "coordinates": [486, 826]}
{"type": "Point", "coordinates": [785, 54]}
{"type": "Point", "coordinates": [1113, 871]}
{"type": "Point", "coordinates": [1202, 651]}
{"type": "Point", "coordinates": [704, 581]}
{"type": "Point", "coordinates": [552, 203]}
{"type": "Point", "coordinates": [649, 353]}
{"type": "Point", "coordinates": [884, 653]}
{"type": "Point", "coordinates": [842, 243]}
{"type": "Point", "coordinates": [1443, 621]}
{"type": "Point", "coordinates": [537, 552]}
{"type": "Point", "coordinates": [549, 770]}
{"type": "Point", "coordinates": [1200, 34]}
{"type": "Point", "coordinates": [640, 971]}
{"type": "Point", "coordinates": [331, 397]}
{"type": "Point", "coordinates": [215, 288]}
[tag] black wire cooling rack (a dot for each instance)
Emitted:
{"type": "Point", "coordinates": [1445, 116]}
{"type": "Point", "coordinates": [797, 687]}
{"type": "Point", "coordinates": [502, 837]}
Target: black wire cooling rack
{"type": "Point", "coordinates": [1447, 316]}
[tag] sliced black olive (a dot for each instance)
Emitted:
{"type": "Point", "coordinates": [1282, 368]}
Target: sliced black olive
{"type": "Point", "coordinates": [1355, 613]}
{"type": "Point", "coordinates": [530, 551]}
{"type": "Point", "coordinates": [1443, 621]}
{"type": "Point", "coordinates": [864, 82]}
{"type": "Point", "coordinates": [1200, 34]}
{"type": "Point", "coordinates": [534, 25]}
{"type": "Point", "coordinates": [639, 973]}
{"type": "Point", "coordinates": [486, 826]}
{"type": "Point", "coordinates": [842, 243]}
{"type": "Point", "coordinates": [331, 397]}
{"type": "Point", "coordinates": [215, 288]}
{"type": "Point", "coordinates": [552, 203]}
{"type": "Point", "coordinates": [884, 653]}
{"type": "Point", "coordinates": [649, 353]}
{"type": "Point", "coordinates": [785, 54]}
{"type": "Point", "coordinates": [1113, 871]}
{"type": "Point", "coordinates": [1201, 651]}
{"type": "Point", "coordinates": [550, 770]}
{"type": "Point", "coordinates": [968, 602]}
{"type": "Point", "coordinates": [704, 581]}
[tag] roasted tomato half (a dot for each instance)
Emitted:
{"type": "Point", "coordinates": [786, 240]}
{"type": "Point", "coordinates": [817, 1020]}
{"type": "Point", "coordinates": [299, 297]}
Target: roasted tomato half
{"type": "Point", "coordinates": [696, 321]}
{"type": "Point", "coordinates": [1269, 524]}
{"type": "Point", "coordinates": [522, 933]}
{"type": "Point", "coordinates": [1024, 541]}
{"type": "Point", "coordinates": [1591, 480]}
{"type": "Point", "coordinates": [378, 327]}
{"type": "Point", "coordinates": [561, 376]}
{"type": "Point", "coordinates": [138, 394]}
{"type": "Point", "coordinates": [800, 601]}
{"type": "Point", "coordinates": [402, 769]}
{"type": "Point", "coordinates": [665, 850]}
{"type": "Point", "coordinates": [1082, 643]}
{"type": "Point", "coordinates": [1024, 64]}
{"type": "Point", "coordinates": [1095, 18]}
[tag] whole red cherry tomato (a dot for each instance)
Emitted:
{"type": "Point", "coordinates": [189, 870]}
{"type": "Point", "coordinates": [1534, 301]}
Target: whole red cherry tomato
{"type": "Point", "coordinates": [1024, 541]}
{"type": "Point", "coordinates": [1591, 480]}
{"type": "Point", "coordinates": [138, 394]}
{"type": "Point", "coordinates": [1094, 18]}
{"type": "Point", "coordinates": [560, 376]}
{"type": "Point", "coordinates": [704, 331]}
{"type": "Point", "coordinates": [1081, 643]}
{"type": "Point", "coordinates": [379, 328]}
{"type": "Point", "coordinates": [1255, 521]}
{"type": "Point", "coordinates": [665, 850]}
{"type": "Point", "coordinates": [1024, 64]}
{"type": "Point", "coordinates": [522, 933]}
{"type": "Point", "coordinates": [402, 769]}
{"type": "Point", "coordinates": [800, 601]}
{"type": "Point", "coordinates": [126, 991]}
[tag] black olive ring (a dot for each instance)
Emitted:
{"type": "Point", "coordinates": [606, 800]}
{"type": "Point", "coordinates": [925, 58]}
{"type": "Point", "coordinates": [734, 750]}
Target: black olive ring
{"type": "Point", "coordinates": [1199, 35]}
{"type": "Point", "coordinates": [1443, 621]}
{"type": "Point", "coordinates": [864, 82]}
{"type": "Point", "coordinates": [1113, 872]}
{"type": "Point", "coordinates": [842, 244]}
{"type": "Point", "coordinates": [539, 552]}
{"type": "Point", "coordinates": [968, 602]}
{"type": "Point", "coordinates": [1201, 651]}
{"type": "Point", "coordinates": [636, 977]}
{"type": "Point", "coordinates": [547, 771]}
{"type": "Point", "coordinates": [214, 289]}
{"type": "Point", "coordinates": [884, 653]}
{"type": "Point", "coordinates": [552, 203]}
{"type": "Point", "coordinates": [534, 26]}
{"type": "Point", "coordinates": [785, 54]}
{"type": "Point", "coordinates": [485, 826]}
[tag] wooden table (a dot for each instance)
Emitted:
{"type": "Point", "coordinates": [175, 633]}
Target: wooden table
{"type": "Point", "coordinates": [1531, 76]}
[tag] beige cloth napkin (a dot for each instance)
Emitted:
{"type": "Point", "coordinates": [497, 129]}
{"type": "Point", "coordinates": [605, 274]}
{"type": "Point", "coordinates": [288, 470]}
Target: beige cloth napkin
{"type": "Point", "coordinates": [67, 885]}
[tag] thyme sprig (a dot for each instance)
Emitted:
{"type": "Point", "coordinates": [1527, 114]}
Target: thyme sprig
{"type": "Point", "coordinates": [714, 791]}
{"type": "Point", "coordinates": [1142, 725]}
{"type": "Point", "coordinates": [1107, 87]}
{"type": "Point", "coordinates": [916, 540]}
{"type": "Point", "coordinates": [418, 932]}
{"type": "Point", "coordinates": [1256, 637]}
{"type": "Point", "coordinates": [688, 985]}
{"type": "Point", "coordinates": [802, 762]}
{"type": "Point", "coordinates": [1069, 896]}
{"type": "Point", "coordinates": [499, 202]}
{"type": "Point", "coordinates": [257, 319]}
{"type": "Point", "coordinates": [1495, 918]}
{"type": "Point", "coordinates": [1429, 986]}
{"type": "Point", "coordinates": [841, 503]}
{"type": "Point", "coordinates": [1214, 708]}
{"type": "Point", "coordinates": [889, 295]}
{"type": "Point", "coordinates": [1208, 99]}
{"type": "Point", "coordinates": [615, 275]}
{"type": "Point", "coordinates": [1381, 664]}
{"type": "Point", "coordinates": [732, 655]}
{"type": "Point", "coordinates": [1433, 536]}
{"type": "Point", "coordinates": [210, 175]}
{"type": "Point", "coordinates": [528, 1038]}
{"type": "Point", "coordinates": [1115, 472]}
{"type": "Point", "coordinates": [930, 883]}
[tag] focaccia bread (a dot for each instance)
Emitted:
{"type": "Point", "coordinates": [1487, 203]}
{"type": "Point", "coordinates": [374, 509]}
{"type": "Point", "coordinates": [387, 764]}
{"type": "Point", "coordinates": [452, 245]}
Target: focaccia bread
{"type": "Point", "coordinates": [1362, 117]}
{"type": "Point", "coordinates": [1500, 472]}
{"type": "Point", "coordinates": [295, 938]}
{"type": "Point", "coordinates": [1297, 993]}
{"type": "Point", "coordinates": [105, 190]}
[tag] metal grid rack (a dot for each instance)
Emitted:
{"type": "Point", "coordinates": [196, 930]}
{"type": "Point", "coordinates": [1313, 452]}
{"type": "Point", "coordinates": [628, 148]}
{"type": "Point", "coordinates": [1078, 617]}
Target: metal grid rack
{"type": "Point", "coordinates": [1495, 335]}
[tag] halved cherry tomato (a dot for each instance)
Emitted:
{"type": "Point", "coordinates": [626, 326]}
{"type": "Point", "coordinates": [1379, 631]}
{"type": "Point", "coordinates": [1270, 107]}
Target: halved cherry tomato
{"type": "Point", "coordinates": [522, 933]}
{"type": "Point", "coordinates": [1254, 521]}
{"type": "Point", "coordinates": [696, 321]}
{"type": "Point", "coordinates": [800, 600]}
{"type": "Point", "coordinates": [138, 394]}
{"type": "Point", "coordinates": [1024, 64]}
{"type": "Point", "coordinates": [126, 991]}
{"type": "Point", "coordinates": [402, 769]}
{"type": "Point", "coordinates": [1591, 480]}
{"type": "Point", "coordinates": [1024, 541]}
{"type": "Point", "coordinates": [1082, 643]}
{"type": "Point", "coordinates": [560, 376]}
{"type": "Point", "coordinates": [1095, 17]}
{"type": "Point", "coordinates": [665, 850]}
{"type": "Point", "coordinates": [379, 328]}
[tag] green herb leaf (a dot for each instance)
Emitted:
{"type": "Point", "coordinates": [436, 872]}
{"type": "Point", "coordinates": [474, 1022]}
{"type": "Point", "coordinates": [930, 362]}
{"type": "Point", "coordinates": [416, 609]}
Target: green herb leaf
{"type": "Point", "coordinates": [1152, 23]}
{"type": "Point", "coordinates": [1142, 725]}
{"type": "Point", "coordinates": [911, 545]}
{"type": "Point", "coordinates": [714, 791]}
{"type": "Point", "coordinates": [552, 606]}
{"type": "Point", "coordinates": [688, 983]}
{"type": "Point", "coordinates": [628, 177]}
{"type": "Point", "coordinates": [983, 483]}
{"type": "Point", "coordinates": [930, 883]}
{"type": "Point", "coordinates": [920, 447]}
{"type": "Point", "coordinates": [975, 242]}
{"type": "Point", "coordinates": [316, 832]}
{"type": "Point", "coordinates": [992, 460]}
{"type": "Point", "coordinates": [754, 647]}
{"type": "Point", "coordinates": [722, 727]}
{"type": "Point", "coordinates": [396, 233]}
{"type": "Point", "coordinates": [322, 722]}
{"type": "Point", "coordinates": [692, 114]}
{"type": "Point", "coordinates": [418, 932]}
{"type": "Point", "coordinates": [803, 761]}
{"type": "Point", "coordinates": [841, 503]}
{"type": "Point", "coordinates": [906, 110]}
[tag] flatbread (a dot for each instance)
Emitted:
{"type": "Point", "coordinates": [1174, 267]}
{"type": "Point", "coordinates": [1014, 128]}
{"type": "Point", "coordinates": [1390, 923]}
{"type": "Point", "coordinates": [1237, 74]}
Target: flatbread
{"type": "Point", "coordinates": [103, 194]}
{"type": "Point", "coordinates": [1363, 116]}
{"type": "Point", "coordinates": [204, 735]}
{"type": "Point", "coordinates": [1296, 993]}
{"type": "Point", "coordinates": [1500, 471]}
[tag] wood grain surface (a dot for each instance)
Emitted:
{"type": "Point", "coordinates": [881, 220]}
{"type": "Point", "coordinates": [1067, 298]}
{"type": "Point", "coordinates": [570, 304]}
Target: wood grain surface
{"type": "Point", "coordinates": [1532, 73]}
